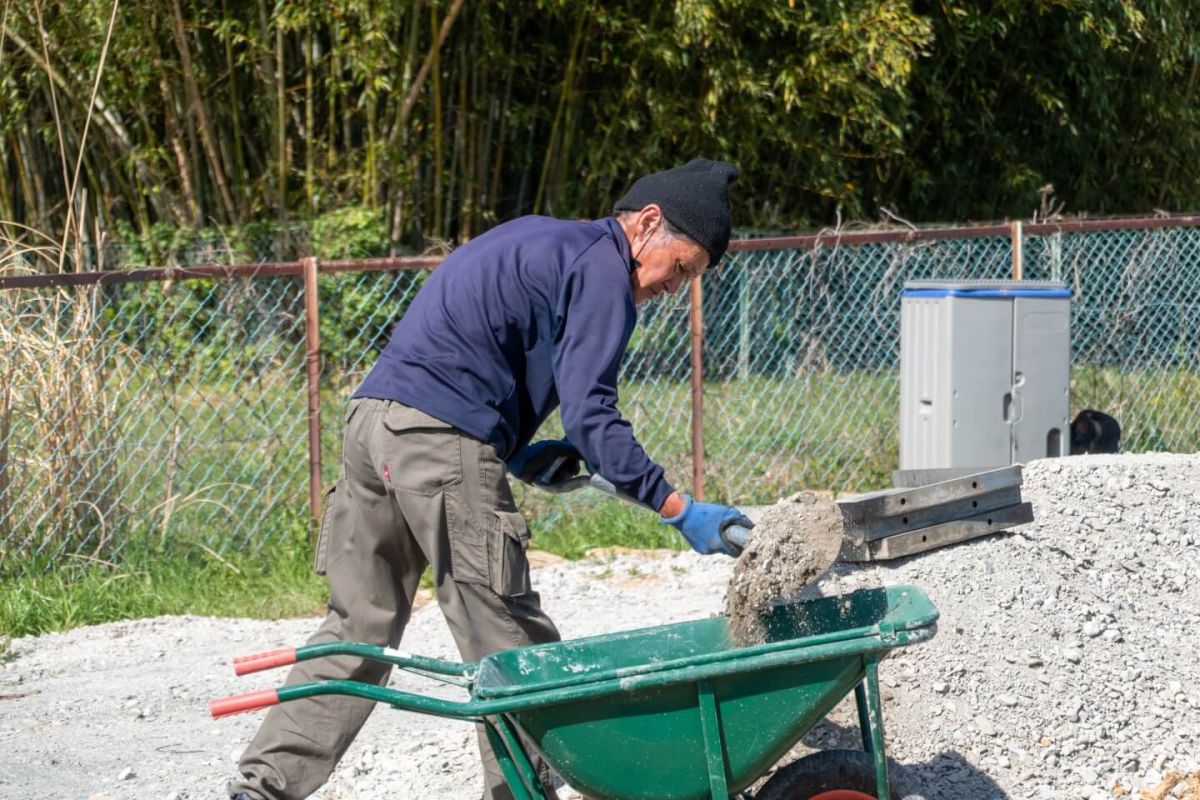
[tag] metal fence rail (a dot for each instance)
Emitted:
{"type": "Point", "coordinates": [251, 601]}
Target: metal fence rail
{"type": "Point", "coordinates": [202, 406]}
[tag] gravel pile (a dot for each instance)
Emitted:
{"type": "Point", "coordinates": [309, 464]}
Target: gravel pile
{"type": "Point", "coordinates": [1066, 664]}
{"type": "Point", "coordinates": [1065, 667]}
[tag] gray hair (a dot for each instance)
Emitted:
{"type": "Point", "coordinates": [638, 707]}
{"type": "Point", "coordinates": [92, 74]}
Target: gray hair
{"type": "Point", "coordinates": [667, 230]}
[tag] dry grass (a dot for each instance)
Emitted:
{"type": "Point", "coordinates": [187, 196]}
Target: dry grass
{"type": "Point", "coordinates": [56, 411]}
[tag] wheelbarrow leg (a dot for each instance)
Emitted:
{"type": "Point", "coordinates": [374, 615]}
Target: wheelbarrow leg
{"type": "Point", "coordinates": [870, 723]}
{"type": "Point", "coordinates": [514, 763]}
{"type": "Point", "coordinates": [714, 751]}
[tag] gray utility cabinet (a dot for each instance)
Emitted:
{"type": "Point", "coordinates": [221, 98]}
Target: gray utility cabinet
{"type": "Point", "coordinates": [984, 373]}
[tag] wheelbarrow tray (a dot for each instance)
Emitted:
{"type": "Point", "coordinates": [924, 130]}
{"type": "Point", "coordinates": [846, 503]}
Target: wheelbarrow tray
{"type": "Point", "coordinates": [622, 715]}
{"type": "Point", "coordinates": [673, 712]}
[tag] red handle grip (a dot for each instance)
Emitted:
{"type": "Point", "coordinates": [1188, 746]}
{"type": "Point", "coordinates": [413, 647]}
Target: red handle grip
{"type": "Point", "coordinates": [240, 703]}
{"type": "Point", "coordinates": [244, 665]}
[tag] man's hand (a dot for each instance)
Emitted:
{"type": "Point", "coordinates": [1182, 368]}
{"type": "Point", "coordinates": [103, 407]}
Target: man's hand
{"type": "Point", "coordinates": [701, 523]}
{"type": "Point", "coordinates": [549, 464]}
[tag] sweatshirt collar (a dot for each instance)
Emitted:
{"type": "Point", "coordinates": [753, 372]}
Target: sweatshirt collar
{"type": "Point", "coordinates": [617, 234]}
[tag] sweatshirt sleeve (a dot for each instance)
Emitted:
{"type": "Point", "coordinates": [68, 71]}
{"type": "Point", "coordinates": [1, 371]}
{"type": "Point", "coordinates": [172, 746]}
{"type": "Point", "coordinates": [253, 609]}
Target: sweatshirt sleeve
{"type": "Point", "coordinates": [597, 316]}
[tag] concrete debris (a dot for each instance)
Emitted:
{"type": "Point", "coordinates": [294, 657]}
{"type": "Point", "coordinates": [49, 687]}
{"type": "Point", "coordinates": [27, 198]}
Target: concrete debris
{"type": "Point", "coordinates": [793, 542]}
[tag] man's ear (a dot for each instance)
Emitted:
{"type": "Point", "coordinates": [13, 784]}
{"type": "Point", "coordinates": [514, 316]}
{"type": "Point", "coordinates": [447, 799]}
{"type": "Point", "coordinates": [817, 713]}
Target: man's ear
{"type": "Point", "coordinates": [649, 218]}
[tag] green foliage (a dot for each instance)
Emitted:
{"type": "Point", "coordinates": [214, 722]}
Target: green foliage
{"type": "Point", "coordinates": [360, 309]}
{"type": "Point", "coordinates": [146, 580]}
{"type": "Point", "coordinates": [935, 110]}
{"type": "Point", "coordinates": [353, 232]}
{"type": "Point", "coordinates": [1096, 98]}
{"type": "Point", "coordinates": [250, 325]}
{"type": "Point", "coordinates": [584, 526]}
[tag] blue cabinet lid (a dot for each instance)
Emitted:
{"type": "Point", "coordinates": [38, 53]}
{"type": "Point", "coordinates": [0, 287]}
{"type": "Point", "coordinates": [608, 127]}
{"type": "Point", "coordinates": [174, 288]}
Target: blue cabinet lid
{"type": "Point", "coordinates": [986, 289]}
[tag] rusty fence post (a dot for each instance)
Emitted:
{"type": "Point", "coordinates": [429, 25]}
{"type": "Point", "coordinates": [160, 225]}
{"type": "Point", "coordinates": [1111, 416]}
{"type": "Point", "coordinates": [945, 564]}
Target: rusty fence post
{"type": "Point", "coordinates": [697, 337]}
{"type": "Point", "coordinates": [312, 369]}
{"type": "Point", "coordinates": [1018, 250]}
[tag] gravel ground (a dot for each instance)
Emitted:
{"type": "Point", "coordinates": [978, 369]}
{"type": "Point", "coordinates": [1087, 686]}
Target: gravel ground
{"type": "Point", "coordinates": [1065, 666]}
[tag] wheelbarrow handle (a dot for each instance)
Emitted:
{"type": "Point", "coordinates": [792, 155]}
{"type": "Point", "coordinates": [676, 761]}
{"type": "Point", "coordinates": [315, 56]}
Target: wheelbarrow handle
{"type": "Point", "coordinates": [406, 701]}
{"type": "Point", "coordinates": [244, 665]}
{"type": "Point", "coordinates": [241, 703]}
{"type": "Point", "coordinates": [257, 662]}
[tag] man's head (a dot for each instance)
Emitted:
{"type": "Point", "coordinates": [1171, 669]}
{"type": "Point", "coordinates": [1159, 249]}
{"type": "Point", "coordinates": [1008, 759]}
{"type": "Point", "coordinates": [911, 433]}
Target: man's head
{"type": "Point", "coordinates": [678, 223]}
{"type": "Point", "coordinates": [664, 257]}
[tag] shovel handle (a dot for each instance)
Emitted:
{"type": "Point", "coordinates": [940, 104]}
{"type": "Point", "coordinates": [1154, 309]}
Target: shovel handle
{"type": "Point", "coordinates": [735, 533]}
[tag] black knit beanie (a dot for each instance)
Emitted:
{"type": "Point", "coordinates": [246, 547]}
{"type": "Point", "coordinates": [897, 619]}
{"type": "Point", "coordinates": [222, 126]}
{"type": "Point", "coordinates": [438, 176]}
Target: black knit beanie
{"type": "Point", "coordinates": [694, 198]}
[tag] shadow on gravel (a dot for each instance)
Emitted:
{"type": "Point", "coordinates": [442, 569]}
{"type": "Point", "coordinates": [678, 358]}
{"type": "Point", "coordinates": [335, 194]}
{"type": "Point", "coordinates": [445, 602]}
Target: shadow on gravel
{"type": "Point", "coordinates": [946, 776]}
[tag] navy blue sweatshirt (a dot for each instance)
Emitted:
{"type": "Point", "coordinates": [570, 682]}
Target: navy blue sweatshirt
{"type": "Point", "coordinates": [533, 313]}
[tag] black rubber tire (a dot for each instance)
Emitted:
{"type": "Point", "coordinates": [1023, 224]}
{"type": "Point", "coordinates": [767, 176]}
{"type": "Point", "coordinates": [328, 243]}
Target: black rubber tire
{"type": "Point", "coordinates": [834, 769]}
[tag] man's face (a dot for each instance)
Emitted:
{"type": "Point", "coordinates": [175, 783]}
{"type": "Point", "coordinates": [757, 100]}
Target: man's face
{"type": "Point", "coordinates": [665, 264]}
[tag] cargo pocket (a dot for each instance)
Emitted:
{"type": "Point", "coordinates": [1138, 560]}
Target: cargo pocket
{"type": "Point", "coordinates": [321, 556]}
{"type": "Point", "coordinates": [468, 545]}
{"type": "Point", "coordinates": [508, 565]}
{"type": "Point", "coordinates": [423, 452]}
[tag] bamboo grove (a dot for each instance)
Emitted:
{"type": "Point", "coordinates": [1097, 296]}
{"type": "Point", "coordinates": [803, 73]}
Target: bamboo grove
{"type": "Point", "coordinates": [443, 117]}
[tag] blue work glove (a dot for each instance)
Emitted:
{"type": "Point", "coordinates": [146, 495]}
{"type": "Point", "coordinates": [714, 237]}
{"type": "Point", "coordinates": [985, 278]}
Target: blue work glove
{"type": "Point", "coordinates": [701, 524]}
{"type": "Point", "coordinates": [549, 464]}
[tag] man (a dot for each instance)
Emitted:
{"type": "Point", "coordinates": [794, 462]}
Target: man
{"type": "Point", "coordinates": [531, 316]}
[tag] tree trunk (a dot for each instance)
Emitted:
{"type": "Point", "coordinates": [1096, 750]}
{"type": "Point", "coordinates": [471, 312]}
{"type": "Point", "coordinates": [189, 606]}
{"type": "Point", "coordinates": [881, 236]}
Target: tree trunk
{"type": "Point", "coordinates": [437, 126]}
{"type": "Point", "coordinates": [460, 165]}
{"type": "Point", "coordinates": [41, 212]}
{"type": "Point", "coordinates": [368, 185]}
{"type": "Point", "coordinates": [568, 139]}
{"type": "Point", "coordinates": [6, 213]}
{"type": "Point", "coordinates": [22, 165]}
{"type": "Point", "coordinates": [310, 134]}
{"type": "Point", "coordinates": [402, 185]}
{"type": "Point", "coordinates": [502, 136]}
{"type": "Point", "coordinates": [439, 37]}
{"type": "Point", "coordinates": [235, 109]}
{"type": "Point", "coordinates": [552, 145]}
{"type": "Point", "coordinates": [334, 76]}
{"type": "Point", "coordinates": [273, 77]}
{"type": "Point", "coordinates": [184, 167]}
{"type": "Point", "coordinates": [281, 123]}
{"type": "Point", "coordinates": [200, 109]}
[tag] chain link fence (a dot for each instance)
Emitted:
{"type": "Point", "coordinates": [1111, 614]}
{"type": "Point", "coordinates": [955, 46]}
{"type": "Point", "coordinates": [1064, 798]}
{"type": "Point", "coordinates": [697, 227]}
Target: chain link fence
{"type": "Point", "coordinates": [172, 410]}
{"type": "Point", "coordinates": [176, 407]}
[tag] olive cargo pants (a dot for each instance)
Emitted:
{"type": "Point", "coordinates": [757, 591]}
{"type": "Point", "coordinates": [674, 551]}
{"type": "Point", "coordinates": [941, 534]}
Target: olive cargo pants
{"type": "Point", "coordinates": [413, 491]}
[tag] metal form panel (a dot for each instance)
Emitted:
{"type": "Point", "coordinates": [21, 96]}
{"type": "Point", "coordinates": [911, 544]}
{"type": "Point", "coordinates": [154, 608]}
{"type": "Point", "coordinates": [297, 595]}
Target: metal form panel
{"type": "Point", "coordinates": [960, 530]}
{"type": "Point", "coordinates": [893, 523]}
{"type": "Point", "coordinates": [893, 508]}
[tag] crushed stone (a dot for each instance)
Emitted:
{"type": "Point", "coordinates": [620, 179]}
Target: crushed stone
{"type": "Point", "coordinates": [792, 543]}
{"type": "Point", "coordinates": [1012, 699]}
{"type": "Point", "coordinates": [1065, 665]}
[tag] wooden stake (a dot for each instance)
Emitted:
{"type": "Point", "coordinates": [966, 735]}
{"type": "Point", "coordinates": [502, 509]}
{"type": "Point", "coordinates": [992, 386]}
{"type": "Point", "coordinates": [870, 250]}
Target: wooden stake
{"type": "Point", "coordinates": [697, 325]}
{"type": "Point", "coordinates": [312, 363]}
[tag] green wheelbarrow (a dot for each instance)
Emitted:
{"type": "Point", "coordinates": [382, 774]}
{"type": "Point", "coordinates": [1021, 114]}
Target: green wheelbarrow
{"type": "Point", "coordinates": [674, 712]}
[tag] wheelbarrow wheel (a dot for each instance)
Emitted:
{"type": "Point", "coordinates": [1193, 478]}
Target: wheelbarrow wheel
{"type": "Point", "coordinates": [835, 775]}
